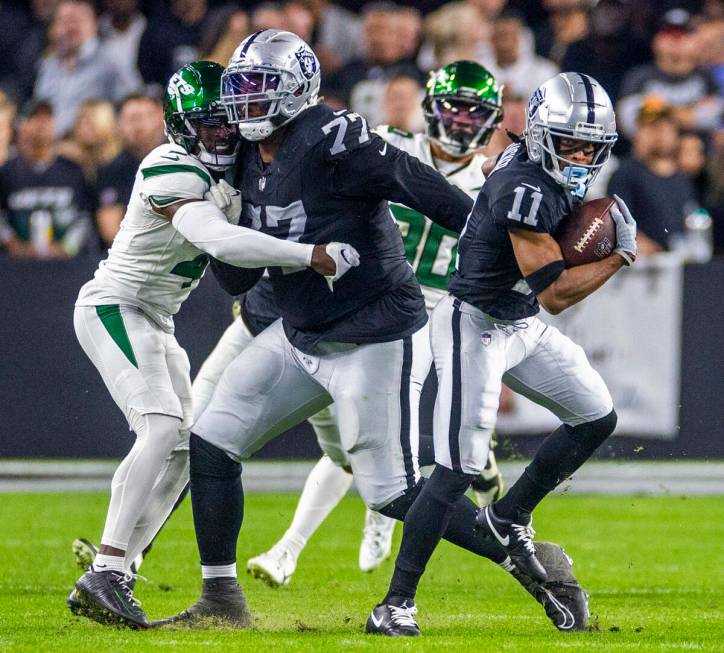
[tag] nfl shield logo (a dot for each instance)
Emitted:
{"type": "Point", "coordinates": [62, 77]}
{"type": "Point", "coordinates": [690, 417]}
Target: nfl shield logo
{"type": "Point", "coordinates": [307, 61]}
{"type": "Point", "coordinates": [486, 338]}
{"type": "Point", "coordinates": [262, 183]}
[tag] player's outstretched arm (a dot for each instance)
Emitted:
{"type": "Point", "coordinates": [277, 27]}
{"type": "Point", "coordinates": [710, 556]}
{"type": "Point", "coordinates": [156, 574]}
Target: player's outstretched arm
{"type": "Point", "coordinates": [540, 260]}
{"type": "Point", "coordinates": [202, 223]}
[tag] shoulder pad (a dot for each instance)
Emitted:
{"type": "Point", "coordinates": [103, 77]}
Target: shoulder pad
{"type": "Point", "coordinates": [400, 132]}
{"type": "Point", "coordinates": [168, 159]}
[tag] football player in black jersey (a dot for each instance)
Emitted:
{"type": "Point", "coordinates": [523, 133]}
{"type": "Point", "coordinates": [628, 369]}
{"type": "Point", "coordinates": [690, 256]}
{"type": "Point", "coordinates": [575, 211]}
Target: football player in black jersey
{"type": "Point", "coordinates": [485, 333]}
{"type": "Point", "coordinates": [308, 172]}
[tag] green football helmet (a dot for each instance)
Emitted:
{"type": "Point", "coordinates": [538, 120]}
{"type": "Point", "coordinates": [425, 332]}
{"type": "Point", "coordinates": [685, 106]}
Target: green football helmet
{"type": "Point", "coordinates": [193, 97]}
{"type": "Point", "coordinates": [463, 106]}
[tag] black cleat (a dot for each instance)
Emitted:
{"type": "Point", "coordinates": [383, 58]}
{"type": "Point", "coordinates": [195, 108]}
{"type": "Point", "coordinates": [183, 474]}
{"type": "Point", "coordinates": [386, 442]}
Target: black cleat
{"type": "Point", "coordinates": [563, 599]}
{"type": "Point", "coordinates": [222, 603]}
{"type": "Point", "coordinates": [107, 597]}
{"type": "Point", "coordinates": [394, 619]}
{"type": "Point", "coordinates": [515, 538]}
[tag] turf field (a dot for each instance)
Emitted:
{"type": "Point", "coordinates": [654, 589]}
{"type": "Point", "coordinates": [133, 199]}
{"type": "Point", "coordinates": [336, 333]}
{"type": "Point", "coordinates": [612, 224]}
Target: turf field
{"type": "Point", "coordinates": [653, 586]}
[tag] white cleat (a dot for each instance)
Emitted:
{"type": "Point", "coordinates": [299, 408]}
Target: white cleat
{"type": "Point", "coordinates": [275, 567]}
{"type": "Point", "coordinates": [489, 486]}
{"type": "Point", "coordinates": [376, 540]}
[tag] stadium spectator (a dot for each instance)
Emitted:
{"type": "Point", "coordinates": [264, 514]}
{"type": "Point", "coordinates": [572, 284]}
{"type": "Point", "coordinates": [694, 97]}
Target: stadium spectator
{"type": "Point", "coordinates": [172, 39]}
{"type": "Point", "coordinates": [568, 22]}
{"type": "Point", "coordinates": [514, 108]}
{"type": "Point", "coordinates": [121, 26]}
{"type": "Point", "coordinates": [76, 67]}
{"type": "Point", "coordinates": [337, 33]}
{"type": "Point", "coordinates": [7, 116]}
{"type": "Point", "coordinates": [673, 76]}
{"type": "Point", "coordinates": [692, 162]}
{"type": "Point", "coordinates": [710, 47]}
{"type": "Point", "coordinates": [94, 140]}
{"type": "Point", "coordinates": [44, 198]}
{"type": "Point", "coordinates": [268, 15]}
{"type": "Point", "coordinates": [452, 33]}
{"type": "Point", "coordinates": [140, 124]}
{"type": "Point", "coordinates": [236, 28]}
{"type": "Point", "coordinates": [361, 83]}
{"type": "Point", "coordinates": [515, 64]}
{"type": "Point", "coordinates": [402, 106]}
{"type": "Point", "coordinates": [15, 26]}
{"type": "Point", "coordinates": [650, 182]}
{"type": "Point", "coordinates": [611, 48]}
{"type": "Point", "coordinates": [298, 19]}
{"type": "Point", "coordinates": [409, 32]}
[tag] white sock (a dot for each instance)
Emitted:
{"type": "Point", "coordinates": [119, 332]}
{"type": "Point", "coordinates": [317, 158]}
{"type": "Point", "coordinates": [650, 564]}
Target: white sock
{"type": "Point", "coordinates": [324, 488]}
{"type": "Point", "coordinates": [218, 571]}
{"type": "Point", "coordinates": [131, 489]}
{"type": "Point", "coordinates": [108, 563]}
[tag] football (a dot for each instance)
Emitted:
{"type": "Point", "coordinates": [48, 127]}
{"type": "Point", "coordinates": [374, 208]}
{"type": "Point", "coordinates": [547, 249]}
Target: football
{"type": "Point", "coordinates": [589, 234]}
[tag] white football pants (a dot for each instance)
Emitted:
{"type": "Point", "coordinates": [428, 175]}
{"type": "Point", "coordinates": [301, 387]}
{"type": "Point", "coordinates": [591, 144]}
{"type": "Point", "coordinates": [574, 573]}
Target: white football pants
{"type": "Point", "coordinates": [474, 355]}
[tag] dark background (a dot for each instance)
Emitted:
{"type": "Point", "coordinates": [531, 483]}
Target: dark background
{"type": "Point", "coordinates": [54, 404]}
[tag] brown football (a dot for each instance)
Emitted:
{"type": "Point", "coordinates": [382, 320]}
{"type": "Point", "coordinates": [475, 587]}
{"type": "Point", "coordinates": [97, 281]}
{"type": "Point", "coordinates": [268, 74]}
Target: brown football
{"type": "Point", "coordinates": [589, 233]}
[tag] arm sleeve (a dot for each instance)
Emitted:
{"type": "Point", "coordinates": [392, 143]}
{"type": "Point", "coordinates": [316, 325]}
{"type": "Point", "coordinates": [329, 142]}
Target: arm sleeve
{"type": "Point", "coordinates": [204, 225]}
{"type": "Point", "coordinates": [382, 171]}
{"type": "Point", "coordinates": [235, 280]}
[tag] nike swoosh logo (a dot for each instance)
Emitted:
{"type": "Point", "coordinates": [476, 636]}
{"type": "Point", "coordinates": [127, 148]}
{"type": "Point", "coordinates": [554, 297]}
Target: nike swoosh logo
{"type": "Point", "coordinates": [100, 566]}
{"type": "Point", "coordinates": [531, 186]}
{"type": "Point", "coordinates": [170, 158]}
{"type": "Point", "coordinates": [505, 541]}
{"type": "Point", "coordinates": [377, 622]}
{"type": "Point", "coordinates": [383, 151]}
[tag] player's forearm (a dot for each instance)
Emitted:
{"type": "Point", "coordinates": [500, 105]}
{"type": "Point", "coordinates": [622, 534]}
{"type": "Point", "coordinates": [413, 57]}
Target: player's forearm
{"type": "Point", "coordinates": [203, 224]}
{"type": "Point", "coordinates": [578, 282]}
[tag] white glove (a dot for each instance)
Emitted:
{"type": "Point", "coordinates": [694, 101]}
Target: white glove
{"type": "Point", "coordinates": [227, 198]}
{"type": "Point", "coordinates": [625, 231]}
{"type": "Point", "coordinates": [345, 257]}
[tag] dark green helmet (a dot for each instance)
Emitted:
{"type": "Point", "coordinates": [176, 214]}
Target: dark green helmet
{"type": "Point", "coordinates": [194, 94]}
{"type": "Point", "coordinates": [463, 106]}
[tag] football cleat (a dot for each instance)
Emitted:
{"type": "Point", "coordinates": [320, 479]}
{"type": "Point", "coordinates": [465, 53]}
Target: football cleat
{"type": "Point", "coordinates": [489, 486]}
{"type": "Point", "coordinates": [107, 597]}
{"type": "Point", "coordinates": [563, 599]}
{"type": "Point", "coordinates": [275, 567]}
{"type": "Point", "coordinates": [394, 619]}
{"type": "Point", "coordinates": [222, 603]}
{"type": "Point", "coordinates": [85, 553]}
{"type": "Point", "coordinates": [515, 537]}
{"type": "Point", "coordinates": [376, 540]}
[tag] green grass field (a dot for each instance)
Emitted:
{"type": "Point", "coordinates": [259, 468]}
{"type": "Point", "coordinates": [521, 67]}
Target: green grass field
{"type": "Point", "coordinates": [652, 586]}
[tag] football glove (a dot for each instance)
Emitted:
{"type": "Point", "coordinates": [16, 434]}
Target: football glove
{"type": "Point", "coordinates": [625, 231]}
{"type": "Point", "coordinates": [227, 198]}
{"type": "Point", "coordinates": [345, 257]}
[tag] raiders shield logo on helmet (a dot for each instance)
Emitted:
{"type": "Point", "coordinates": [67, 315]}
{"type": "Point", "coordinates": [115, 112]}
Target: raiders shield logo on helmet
{"type": "Point", "coordinates": [307, 61]}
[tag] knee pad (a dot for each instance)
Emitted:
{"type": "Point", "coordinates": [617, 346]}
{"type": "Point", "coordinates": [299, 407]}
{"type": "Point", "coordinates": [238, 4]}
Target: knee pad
{"type": "Point", "coordinates": [592, 434]}
{"type": "Point", "coordinates": [208, 460]}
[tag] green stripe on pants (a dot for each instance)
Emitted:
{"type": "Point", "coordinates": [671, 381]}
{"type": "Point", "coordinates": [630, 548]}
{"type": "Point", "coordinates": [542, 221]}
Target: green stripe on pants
{"type": "Point", "coordinates": [110, 315]}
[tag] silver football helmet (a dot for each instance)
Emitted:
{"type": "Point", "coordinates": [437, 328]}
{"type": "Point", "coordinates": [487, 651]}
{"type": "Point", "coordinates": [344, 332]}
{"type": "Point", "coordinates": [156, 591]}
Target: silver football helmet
{"type": "Point", "coordinates": [271, 78]}
{"type": "Point", "coordinates": [570, 106]}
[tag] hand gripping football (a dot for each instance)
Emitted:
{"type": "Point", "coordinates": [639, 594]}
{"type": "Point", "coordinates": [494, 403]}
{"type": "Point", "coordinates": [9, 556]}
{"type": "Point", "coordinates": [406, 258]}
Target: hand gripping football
{"type": "Point", "coordinates": [588, 234]}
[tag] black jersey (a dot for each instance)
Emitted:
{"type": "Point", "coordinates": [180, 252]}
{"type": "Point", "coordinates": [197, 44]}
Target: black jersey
{"type": "Point", "coordinates": [330, 181]}
{"type": "Point", "coordinates": [258, 306]}
{"type": "Point", "coordinates": [518, 194]}
{"type": "Point", "coordinates": [52, 196]}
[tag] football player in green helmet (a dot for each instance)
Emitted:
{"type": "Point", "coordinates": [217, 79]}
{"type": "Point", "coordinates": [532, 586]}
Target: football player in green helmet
{"type": "Point", "coordinates": [195, 118]}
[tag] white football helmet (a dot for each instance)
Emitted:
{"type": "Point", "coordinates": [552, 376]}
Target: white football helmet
{"type": "Point", "coordinates": [571, 106]}
{"type": "Point", "coordinates": [272, 77]}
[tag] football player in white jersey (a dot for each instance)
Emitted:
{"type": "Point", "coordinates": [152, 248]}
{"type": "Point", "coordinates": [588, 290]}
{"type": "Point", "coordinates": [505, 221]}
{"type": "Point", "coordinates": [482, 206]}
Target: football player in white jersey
{"type": "Point", "coordinates": [179, 215]}
{"type": "Point", "coordinates": [462, 108]}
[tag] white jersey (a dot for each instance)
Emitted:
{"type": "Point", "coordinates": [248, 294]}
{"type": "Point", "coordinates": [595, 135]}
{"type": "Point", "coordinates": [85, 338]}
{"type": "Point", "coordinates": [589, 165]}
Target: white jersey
{"type": "Point", "coordinates": [150, 264]}
{"type": "Point", "coordinates": [429, 247]}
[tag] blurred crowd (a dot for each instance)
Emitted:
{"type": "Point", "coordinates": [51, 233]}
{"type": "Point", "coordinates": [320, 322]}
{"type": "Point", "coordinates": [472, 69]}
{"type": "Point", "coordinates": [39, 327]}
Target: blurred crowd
{"type": "Point", "coordinates": [81, 82]}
